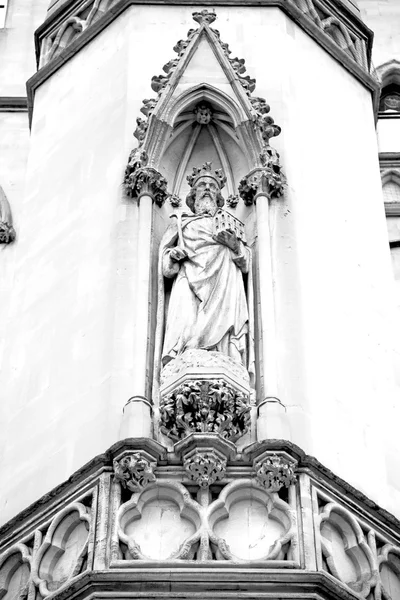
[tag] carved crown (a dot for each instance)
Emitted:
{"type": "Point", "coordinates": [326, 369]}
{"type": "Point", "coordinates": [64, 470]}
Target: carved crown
{"type": "Point", "coordinates": [206, 171]}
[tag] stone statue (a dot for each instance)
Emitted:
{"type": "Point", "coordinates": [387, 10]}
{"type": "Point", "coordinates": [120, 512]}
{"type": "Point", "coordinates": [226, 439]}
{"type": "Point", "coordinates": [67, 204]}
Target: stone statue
{"type": "Point", "coordinates": [207, 308]}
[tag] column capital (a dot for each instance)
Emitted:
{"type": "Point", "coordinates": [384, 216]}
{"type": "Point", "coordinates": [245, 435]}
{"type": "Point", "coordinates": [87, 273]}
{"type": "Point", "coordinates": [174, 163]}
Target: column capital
{"type": "Point", "coordinates": [266, 179]}
{"type": "Point", "coordinates": [145, 181]}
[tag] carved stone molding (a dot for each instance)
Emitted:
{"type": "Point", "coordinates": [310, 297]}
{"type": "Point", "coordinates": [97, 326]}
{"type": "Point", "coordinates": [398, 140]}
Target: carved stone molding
{"type": "Point", "coordinates": [205, 405]}
{"type": "Point", "coordinates": [140, 181]}
{"type": "Point", "coordinates": [7, 231]}
{"type": "Point", "coordinates": [134, 471]}
{"type": "Point", "coordinates": [274, 472]}
{"type": "Point", "coordinates": [205, 467]}
{"type": "Point", "coordinates": [268, 179]}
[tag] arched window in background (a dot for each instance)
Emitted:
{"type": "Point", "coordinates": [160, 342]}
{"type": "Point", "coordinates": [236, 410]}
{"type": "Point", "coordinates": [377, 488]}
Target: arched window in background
{"type": "Point", "coordinates": [389, 74]}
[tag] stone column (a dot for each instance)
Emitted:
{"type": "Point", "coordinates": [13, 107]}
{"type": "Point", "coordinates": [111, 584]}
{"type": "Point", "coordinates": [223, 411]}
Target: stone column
{"type": "Point", "coordinates": [258, 187]}
{"type": "Point", "coordinates": [146, 186]}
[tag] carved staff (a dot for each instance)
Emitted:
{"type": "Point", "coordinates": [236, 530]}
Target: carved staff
{"type": "Point", "coordinates": [180, 234]}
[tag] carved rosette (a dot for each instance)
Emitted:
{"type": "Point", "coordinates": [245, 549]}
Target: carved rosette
{"type": "Point", "coordinates": [274, 472]}
{"type": "Point", "coordinates": [267, 179]}
{"type": "Point", "coordinates": [140, 181]}
{"type": "Point", "coordinates": [205, 467]}
{"type": "Point", "coordinates": [205, 406]}
{"type": "Point", "coordinates": [134, 471]}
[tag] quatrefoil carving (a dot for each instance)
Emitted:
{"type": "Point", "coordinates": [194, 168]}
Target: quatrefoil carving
{"type": "Point", "coordinates": [15, 566]}
{"type": "Point", "coordinates": [160, 523]}
{"type": "Point", "coordinates": [389, 571]}
{"type": "Point", "coordinates": [64, 549]}
{"type": "Point", "coordinates": [345, 549]}
{"type": "Point", "coordinates": [246, 523]}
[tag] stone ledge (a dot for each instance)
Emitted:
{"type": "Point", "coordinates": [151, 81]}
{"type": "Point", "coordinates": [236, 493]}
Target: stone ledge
{"type": "Point", "coordinates": [206, 584]}
{"type": "Point", "coordinates": [344, 14]}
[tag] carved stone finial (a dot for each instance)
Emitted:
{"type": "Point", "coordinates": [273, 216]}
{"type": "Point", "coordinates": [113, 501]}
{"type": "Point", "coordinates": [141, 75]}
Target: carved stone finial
{"type": "Point", "coordinates": [205, 467]}
{"type": "Point", "coordinates": [203, 112]}
{"type": "Point", "coordinates": [206, 171]}
{"type": "Point", "coordinates": [140, 181]}
{"type": "Point", "coordinates": [134, 472]}
{"type": "Point", "coordinates": [268, 179]}
{"type": "Point", "coordinates": [205, 16]}
{"type": "Point", "coordinates": [274, 472]}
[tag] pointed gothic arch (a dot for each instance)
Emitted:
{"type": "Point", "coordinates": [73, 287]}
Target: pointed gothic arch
{"type": "Point", "coordinates": [240, 127]}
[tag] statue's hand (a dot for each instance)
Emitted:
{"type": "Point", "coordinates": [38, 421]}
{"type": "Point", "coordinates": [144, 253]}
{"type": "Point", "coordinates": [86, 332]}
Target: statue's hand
{"type": "Point", "coordinates": [177, 254]}
{"type": "Point", "coordinates": [228, 238]}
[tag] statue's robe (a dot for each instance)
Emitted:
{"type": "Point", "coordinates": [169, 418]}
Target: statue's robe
{"type": "Point", "coordinates": [207, 307]}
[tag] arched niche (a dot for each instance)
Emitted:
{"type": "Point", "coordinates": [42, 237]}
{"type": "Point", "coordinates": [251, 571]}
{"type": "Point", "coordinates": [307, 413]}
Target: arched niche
{"type": "Point", "coordinates": [179, 139]}
{"type": "Point", "coordinates": [389, 75]}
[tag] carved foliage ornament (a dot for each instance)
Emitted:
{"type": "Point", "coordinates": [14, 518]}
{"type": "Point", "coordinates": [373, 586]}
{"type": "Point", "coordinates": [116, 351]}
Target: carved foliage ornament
{"type": "Point", "coordinates": [268, 180]}
{"type": "Point", "coordinates": [205, 467]}
{"type": "Point", "coordinates": [141, 181]}
{"type": "Point", "coordinates": [275, 472]}
{"type": "Point", "coordinates": [134, 472]}
{"type": "Point", "coordinates": [204, 406]}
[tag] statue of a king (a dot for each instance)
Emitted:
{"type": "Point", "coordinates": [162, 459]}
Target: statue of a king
{"type": "Point", "coordinates": [207, 306]}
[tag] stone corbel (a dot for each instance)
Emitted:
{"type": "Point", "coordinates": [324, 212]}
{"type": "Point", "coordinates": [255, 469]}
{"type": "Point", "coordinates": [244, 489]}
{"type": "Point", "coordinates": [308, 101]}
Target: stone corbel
{"type": "Point", "coordinates": [7, 231]}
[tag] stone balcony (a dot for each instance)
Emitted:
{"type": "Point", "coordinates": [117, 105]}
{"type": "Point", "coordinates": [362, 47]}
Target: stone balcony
{"type": "Point", "coordinates": [204, 519]}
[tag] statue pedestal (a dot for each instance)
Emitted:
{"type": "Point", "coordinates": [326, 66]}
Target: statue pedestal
{"type": "Point", "coordinates": [204, 392]}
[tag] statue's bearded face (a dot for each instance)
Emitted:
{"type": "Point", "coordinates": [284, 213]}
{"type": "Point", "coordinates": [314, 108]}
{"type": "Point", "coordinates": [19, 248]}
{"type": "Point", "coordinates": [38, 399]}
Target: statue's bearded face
{"type": "Point", "coordinates": [206, 196]}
